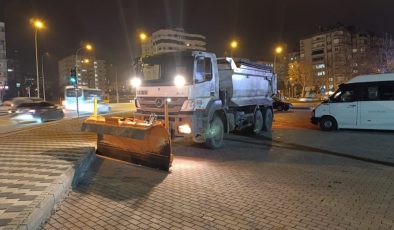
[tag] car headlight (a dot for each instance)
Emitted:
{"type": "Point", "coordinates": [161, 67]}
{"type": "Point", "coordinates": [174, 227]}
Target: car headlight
{"type": "Point", "coordinates": [32, 111]}
{"type": "Point", "coordinates": [185, 129]}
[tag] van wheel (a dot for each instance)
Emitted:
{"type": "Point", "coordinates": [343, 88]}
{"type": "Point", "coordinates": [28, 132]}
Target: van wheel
{"type": "Point", "coordinates": [328, 124]}
{"type": "Point", "coordinates": [268, 118]}
{"type": "Point", "coordinates": [215, 133]}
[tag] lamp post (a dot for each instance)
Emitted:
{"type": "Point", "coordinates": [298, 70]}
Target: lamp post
{"type": "Point", "coordinates": [43, 75]}
{"type": "Point", "coordinates": [278, 50]}
{"type": "Point", "coordinates": [38, 24]}
{"type": "Point", "coordinates": [116, 85]}
{"type": "Point", "coordinates": [233, 46]}
{"type": "Point", "coordinates": [135, 82]}
{"type": "Point", "coordinates": [87, 47]}
{"type": "Point", "coordinates": [143, 38]}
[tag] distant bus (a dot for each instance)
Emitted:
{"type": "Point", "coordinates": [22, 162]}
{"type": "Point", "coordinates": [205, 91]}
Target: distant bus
{"type": "Point", "coordinates": [85, 99]}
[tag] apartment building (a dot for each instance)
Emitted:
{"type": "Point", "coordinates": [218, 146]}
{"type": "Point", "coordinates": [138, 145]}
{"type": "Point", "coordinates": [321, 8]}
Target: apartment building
{"type": "Point", "coordinates": [330, 55]}
{"type": "Point", "coordinates": [338, 53]}
{"type": "Point", "coordinates": [91, 72]}
{"type": "Point", "coordinates": [171, 40]}
{"type": "Point", "coordinates": [3, 62]}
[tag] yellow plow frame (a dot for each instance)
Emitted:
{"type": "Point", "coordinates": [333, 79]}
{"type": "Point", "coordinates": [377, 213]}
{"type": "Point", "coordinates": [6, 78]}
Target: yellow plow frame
{"type": "Point", "coordinates": [132, 140]}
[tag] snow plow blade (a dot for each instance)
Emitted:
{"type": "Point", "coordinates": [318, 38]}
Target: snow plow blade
{"type": "Point", "coordinates": [132, 140]}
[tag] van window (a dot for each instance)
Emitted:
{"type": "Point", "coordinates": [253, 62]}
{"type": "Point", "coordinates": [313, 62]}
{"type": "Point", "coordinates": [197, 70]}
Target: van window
{"type": "Point", "coordinates": [386, 91]}
{"type": "Point", "coordinates": [373, 93]}
{"type": "Point", "coordinates": [347, 93]}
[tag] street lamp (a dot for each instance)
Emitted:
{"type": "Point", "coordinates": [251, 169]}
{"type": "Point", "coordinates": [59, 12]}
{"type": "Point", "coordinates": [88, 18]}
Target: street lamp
{"type": "Point", "coordinates": [87, 47]}
{"type": "Point", "coordinates": [278, 50]}
{"type": "Point", "coordinates": [116, 83]}
{"type": "Point", "coordinates": [143, 36]}
{"type": "Point", "coordinates": [43, 75]}
{"type": "Point", "coordinates": [233, 46]}
{"type": "Point", "coordinates": [38, 24]}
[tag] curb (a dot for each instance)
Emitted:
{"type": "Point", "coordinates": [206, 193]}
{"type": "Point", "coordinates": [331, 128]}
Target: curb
{"type": "Point", "coordinates": [41, 209]}
{"type": "Point", "coordinates": [302, 107]}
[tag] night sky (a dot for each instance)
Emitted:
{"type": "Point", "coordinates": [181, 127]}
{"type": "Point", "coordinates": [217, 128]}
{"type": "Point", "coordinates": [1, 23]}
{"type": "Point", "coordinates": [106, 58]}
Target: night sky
{"type": "Point", "coordinates": [112, 25]}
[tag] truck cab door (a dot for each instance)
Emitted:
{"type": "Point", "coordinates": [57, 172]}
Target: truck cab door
{"type": "Point", "coordinates": [203, 83]}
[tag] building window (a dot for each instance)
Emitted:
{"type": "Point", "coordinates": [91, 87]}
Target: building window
{"type": "Point", "coordinates": [321, 73]}
{"type": "Point", "coordinates": [320, 66]}
{"type": "Point", "coordinates": [317, 52]}
{"type": "Point", "coordinates": [336, 41]}
{"type": "Point", "coordinates": [354, 50]}
{"type": "Point", "coordinates": [317, 59]}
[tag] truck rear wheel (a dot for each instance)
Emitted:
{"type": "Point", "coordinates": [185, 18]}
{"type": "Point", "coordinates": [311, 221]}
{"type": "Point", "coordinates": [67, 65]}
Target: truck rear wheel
{"type": "Point", "coordinates": [258, 122]}
{"type": "Point", "coordinates": [268, 118]}
{"type": "Point", "coordinates": [215, 133]}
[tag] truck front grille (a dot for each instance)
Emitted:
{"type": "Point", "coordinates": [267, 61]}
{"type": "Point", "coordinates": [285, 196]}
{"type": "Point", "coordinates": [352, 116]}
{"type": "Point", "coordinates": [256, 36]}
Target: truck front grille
{"type": "Point", "coordinates": [156, 104]}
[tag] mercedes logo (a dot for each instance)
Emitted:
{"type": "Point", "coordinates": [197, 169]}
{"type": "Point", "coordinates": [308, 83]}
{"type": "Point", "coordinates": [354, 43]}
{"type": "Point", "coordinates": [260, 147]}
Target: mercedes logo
{"type": "Point", "coordinates": [159, 102]}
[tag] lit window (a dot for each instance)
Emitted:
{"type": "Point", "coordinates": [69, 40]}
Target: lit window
{"type": "Point", "coordinates": [321, 73]}
{"type": "Point", "coordinates": [320, 66]}
{"type": "Point", "coordinates": [354, 50]}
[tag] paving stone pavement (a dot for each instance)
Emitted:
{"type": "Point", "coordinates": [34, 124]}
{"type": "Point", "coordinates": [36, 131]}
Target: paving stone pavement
{"type": "Point", "coordinates": [37, 166]}
{"type": "Point", "coordinates": [245, 185]}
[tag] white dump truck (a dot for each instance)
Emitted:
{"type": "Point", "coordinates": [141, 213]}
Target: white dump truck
{"type": "Point", "coordinates": [206, 96]}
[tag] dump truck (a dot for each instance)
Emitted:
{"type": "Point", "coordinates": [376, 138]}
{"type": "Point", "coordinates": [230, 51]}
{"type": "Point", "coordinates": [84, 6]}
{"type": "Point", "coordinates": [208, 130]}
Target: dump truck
{"type": "Point", "coordinates": [206, 96]}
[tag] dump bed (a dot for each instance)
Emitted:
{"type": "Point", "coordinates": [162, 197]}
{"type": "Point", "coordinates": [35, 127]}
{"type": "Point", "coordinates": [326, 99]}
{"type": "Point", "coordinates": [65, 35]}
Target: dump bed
{"type": "Point", "coordinates": [246, 83]}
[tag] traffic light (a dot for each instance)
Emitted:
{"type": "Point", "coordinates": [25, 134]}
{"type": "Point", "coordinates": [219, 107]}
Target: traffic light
{"type": "Point", "coordinates": [73, 76]}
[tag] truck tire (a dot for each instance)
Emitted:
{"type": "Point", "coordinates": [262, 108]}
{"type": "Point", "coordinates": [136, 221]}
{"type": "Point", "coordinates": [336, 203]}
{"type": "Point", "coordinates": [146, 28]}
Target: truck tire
{"type": "Point", "coordinates": [328, 123]}
{"type": "Point", "coordinates": [268, 117]}
{"type": "Point", "coordinates": [258, 122]}
{"type": "Point", "coordinates": [216, 133]}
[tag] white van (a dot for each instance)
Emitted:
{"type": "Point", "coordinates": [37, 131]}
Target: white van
{"type": "Point", "coordinates": [364, 102]}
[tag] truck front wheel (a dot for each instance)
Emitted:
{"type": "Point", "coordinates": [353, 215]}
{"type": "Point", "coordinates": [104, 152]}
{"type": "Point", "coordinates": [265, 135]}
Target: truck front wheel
{"type": "Point", "coordinates": [268, 117]}
{"type": "Point", "coordinates": [215, 133]}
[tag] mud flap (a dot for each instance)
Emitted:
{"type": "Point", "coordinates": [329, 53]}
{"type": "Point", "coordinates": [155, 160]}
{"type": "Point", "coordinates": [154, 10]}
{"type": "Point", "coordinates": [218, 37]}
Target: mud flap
{"type": "Point", "coordinates": [132, 141]}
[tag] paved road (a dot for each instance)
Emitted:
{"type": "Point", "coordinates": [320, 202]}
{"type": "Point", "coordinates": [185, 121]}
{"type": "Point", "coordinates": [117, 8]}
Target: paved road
{"type": "Point", "coordinates": [251, 183]}
{"type": "Point", "coordinates": [7, 125]}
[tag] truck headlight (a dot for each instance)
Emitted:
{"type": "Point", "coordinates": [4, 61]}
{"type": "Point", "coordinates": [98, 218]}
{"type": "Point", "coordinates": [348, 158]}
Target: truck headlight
{"type": "Point", "coordinates": [185, 129]}
{"type": "Point", "coordinates": [179, 81]}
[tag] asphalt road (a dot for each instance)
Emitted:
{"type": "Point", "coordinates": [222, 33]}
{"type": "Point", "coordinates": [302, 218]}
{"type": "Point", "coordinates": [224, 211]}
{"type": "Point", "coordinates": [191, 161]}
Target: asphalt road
{"type": "Point", "coordinates": [259, 182]}
{"type": "Point", "coordinates": [7, 125]}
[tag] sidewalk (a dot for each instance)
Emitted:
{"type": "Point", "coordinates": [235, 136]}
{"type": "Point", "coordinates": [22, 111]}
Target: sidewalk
{"type": "Point", "coordinates": [371, 146]}
{"type": "Point", "coordinates": [38, 167]}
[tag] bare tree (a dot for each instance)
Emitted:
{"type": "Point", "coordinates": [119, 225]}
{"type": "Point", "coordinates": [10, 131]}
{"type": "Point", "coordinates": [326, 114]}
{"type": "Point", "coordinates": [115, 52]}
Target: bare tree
{"type": "Point", "coordinates": [301, 73]}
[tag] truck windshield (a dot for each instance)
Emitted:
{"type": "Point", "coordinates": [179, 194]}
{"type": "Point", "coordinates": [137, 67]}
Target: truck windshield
{"type": "Point", "coordinates": [161, 70]}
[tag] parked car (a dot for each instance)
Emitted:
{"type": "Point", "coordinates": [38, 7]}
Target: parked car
{"type": "Point", "coordinates": [281, 105]}
{"type": "Point", "coordinates": [37, 112]}
{"type": "Point", "coordinates": [15, 102]}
